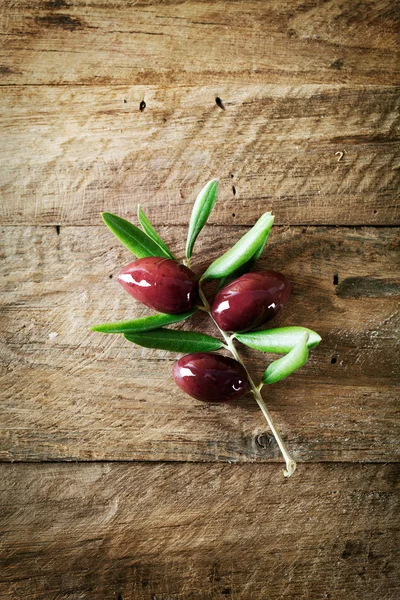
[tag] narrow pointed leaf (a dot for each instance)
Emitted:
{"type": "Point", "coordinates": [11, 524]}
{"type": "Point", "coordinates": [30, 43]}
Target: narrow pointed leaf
{"type": "Point", "coordinates": [151, 233]}
{"type": "Point", "coordinates": [242, 251]}
{"type": "Point", "coordinates": [281, 368]}
{"type": "Point", "coordinates": [201, 211]}
{"type": "Point", "coordinates": [175, 340]}
{"type": "Point", "coordinates": [143, 324]}
{"type": "Point", "coordinates": [261, 248]}
{"type": "Point", "coordinates": [280, 340]}
{"type": "Point", "coordinates": [132, 237]}
{"type": "Point", "coordinates": [245, 268]}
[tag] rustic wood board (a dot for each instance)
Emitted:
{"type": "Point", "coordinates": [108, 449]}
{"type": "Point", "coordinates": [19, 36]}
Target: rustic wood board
{"type": "Point", "coordinates": [173, 531]}
{"type": "Point", "coordinates": [83, 395]}
{"type": "Point", "coordinates": [84, 149]}
{"type": "Point", "coordinates": [107, 104]}
{"type": "Point", "coordinates": [157, 42]}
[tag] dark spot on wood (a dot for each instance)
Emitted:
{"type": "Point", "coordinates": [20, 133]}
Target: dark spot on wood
{"type": "Point", "coordinates": [219, 102]}
{"type": "Point", "coordinates": [226, 591]}
{"type": "Point", "coordinates": [232, 175]}
{"type": "Point", "coordinates": [367, 287]}
{"type": "Point", "coordinates": [334, 360]}
{"type": "Point", "coordinates": [142, 106]}
{"type": "Point", "coordinates": [63, 21]}
{"type": "Point", "coordinates": [335, 279]}
{"type": "Point", "coordinates": [125, 101]}
{"type": "Point", "coordinates": [391, 474]}
{"type": "Point", "coordinates": [110, 276]}
{"type": "Point", "coordinates": [233, 214]}
{"type": "Point", "coordinates": [361, 574]}
{"type": "Point", "coordinates": [371, 138]}
{"type": "Point", "coordinates": [120, 597]}
{"type": "Point", "coordinates": [56, 4]}
{"type": "Point", "coordinates": [58, 229]}
{"type": "Point", "coordinates": [375, 211]}
{"type": "Point", "coordinates": [5, 70]}
{"type": "Point", "coordinates": [264, 441]}
{"type": "Point", "coordinates": [337, 64]}
{"type": "Point", "coordinates": [234, 190]}
{"type": "Point", "coordinates": [291, 33]}
{"type": "Point", "coordinates": [214, 574]}
{"type": "Point", "coordinates": [352, 548]}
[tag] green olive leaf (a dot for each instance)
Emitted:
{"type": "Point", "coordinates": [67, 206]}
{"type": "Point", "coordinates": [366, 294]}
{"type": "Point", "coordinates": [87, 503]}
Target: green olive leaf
{"type": "Point", "coordinates": [245, 268]}
{"type": "Point", "coordinates": [261, 248]}
{"type": "Point", "coordinates": [132, 237]}
{"type": "Point", "coordinates": [175, 340]}
{"type": "Point", "coordinates": [151, 233]}
{"type": "Point", "coordinates": [201, 211]}
{"type": "Point", "coordinates": [280, 340]}
{"type": "Point", "coordinates": [142, 324]}
{"type": "Point", "coordinates": [281, 368]}
{"type": "Point", "coordinates": [242, 251]}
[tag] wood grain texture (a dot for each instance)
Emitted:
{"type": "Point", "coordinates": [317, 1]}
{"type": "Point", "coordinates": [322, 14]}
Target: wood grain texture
{"type": "Point", "coordinates": [69, 153]}
{"type": "Point", "coordinates": [294, 105]}
{"type": "Point", "coordinates": [196, 532]}
{"type": "Point", "coordinates": [71, 394]}
{"type": "Point", "coordinates": [157, 42]}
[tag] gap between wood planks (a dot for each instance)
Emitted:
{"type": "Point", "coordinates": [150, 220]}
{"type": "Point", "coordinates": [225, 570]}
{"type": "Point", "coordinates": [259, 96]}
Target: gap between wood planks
{"type": "Point", "coordinates": [60, 226]}
{"type": "Point", "coordinates": [157, 461]}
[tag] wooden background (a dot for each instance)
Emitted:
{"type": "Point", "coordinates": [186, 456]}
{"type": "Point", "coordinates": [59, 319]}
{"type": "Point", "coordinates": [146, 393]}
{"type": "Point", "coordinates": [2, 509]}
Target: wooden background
{"type": "Point", "coordinates": [109, 103]}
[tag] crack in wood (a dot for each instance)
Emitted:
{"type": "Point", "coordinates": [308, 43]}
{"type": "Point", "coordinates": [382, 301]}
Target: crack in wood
{"type": "Point", "coordinates": [367, 287]}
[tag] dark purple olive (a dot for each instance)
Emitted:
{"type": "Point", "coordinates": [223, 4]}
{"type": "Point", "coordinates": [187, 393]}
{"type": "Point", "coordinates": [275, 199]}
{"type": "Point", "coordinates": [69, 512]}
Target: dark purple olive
{"type": "Point", "coordinates": [250, 300]}
{"type": "Point", "coordinates": [210, 377]}
{"type": "Point", "coordinates": [160, 283]}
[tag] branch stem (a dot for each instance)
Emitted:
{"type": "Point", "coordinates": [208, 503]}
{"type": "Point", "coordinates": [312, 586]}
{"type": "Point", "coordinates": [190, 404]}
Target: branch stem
{"type": "Point", "coordinates": [256, 391]}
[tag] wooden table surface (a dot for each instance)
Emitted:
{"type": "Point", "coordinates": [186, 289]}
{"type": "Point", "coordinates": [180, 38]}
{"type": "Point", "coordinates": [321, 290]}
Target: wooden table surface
{"type": "Point", "coordinates": [114, 484]}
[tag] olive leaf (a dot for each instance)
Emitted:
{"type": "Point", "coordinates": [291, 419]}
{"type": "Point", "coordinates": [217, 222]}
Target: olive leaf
{"type": "Point", "coordinates": [281, 368]}
{"type": "Point", "coordinates": [142, 324]}
{"type": "Point", "coordinates": [151, 232]}
{"type": "Point", "coordinates": [245, 267]}
{"type": "Point", "coordinates": [132, 237]}
{"type": "Point", "coordinates": [175, 340]}
{"type": "Point", "coordinates": [280, 340]}
{"type": "Point", "coordinates": [201, 211]}
{"type": "Point", "coordinates": [242, 251]}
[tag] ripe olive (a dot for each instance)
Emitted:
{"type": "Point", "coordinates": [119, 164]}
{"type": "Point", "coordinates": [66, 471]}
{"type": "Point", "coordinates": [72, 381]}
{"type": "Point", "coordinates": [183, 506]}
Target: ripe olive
{"type": "Point", "coordinates": [210, 377]}
{"type": "Point", "coordinates": [250, 300]}
{"type": "Point", "coordinates": [161, 284]}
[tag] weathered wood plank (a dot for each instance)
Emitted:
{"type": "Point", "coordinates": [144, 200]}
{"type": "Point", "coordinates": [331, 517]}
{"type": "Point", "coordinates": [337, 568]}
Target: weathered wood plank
{"type": "Point", "coordinates": [179, 42]}
{"type": "Point", "coordinates": [191, 531]}
{"type": "Point", "coordinates": [82, 395]}
{"type": "Point", "coordinates": [69, 153]}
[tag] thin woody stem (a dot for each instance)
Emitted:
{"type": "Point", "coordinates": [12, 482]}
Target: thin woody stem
{"type": "Point", "coordinates": [290, 462]}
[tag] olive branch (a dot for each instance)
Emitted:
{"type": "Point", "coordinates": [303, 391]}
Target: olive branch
{"type": "Point", "coordinates": [152, 331]}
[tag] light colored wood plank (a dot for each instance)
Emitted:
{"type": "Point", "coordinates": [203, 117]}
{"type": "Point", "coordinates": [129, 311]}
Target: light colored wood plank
{"type": "Point", "coordinates": [69, 153]}
{"type": "Point", "coordinates": [83, 395]}
{"type": "Point", "coordinates": [152, 531]}
{"type": "Point", "coordinates": [178, 42]}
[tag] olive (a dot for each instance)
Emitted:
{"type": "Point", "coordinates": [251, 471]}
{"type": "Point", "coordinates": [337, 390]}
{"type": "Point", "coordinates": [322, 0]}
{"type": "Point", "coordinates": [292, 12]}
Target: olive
{"type": "Point", "coordinates": [250, 300]}
{"type": "Point", "coordinates": [210, 377]}
{"type": "Point", "coordinates": [161, 284]}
